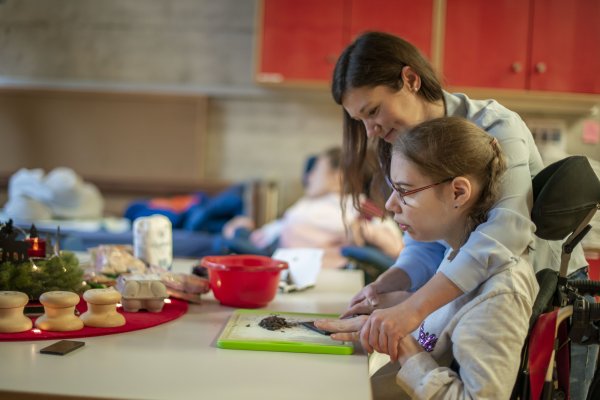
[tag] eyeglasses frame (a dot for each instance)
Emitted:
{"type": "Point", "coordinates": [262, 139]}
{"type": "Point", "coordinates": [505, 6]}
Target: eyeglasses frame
{"type": "Point", "coordinates": [398, 190]}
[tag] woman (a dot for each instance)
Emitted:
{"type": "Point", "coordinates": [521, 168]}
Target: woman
{"type": "Point", "coordinates": [385, 87]}
{"type": "Point", "coordinates": [446, 175]}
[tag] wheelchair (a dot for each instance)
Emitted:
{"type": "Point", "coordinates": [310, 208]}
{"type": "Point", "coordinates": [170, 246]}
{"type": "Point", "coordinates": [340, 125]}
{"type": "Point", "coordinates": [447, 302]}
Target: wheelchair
{"type": "Point", "coordinates": [566, 197]}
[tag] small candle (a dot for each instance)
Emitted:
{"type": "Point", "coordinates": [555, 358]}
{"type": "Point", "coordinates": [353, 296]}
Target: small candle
{"type": "Point", "coordinates": [37, 247]}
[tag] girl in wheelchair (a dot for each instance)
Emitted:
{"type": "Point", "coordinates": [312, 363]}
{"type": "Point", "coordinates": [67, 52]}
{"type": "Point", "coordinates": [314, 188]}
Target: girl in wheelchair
{"type": "Point", "coordinates": [444, 185]}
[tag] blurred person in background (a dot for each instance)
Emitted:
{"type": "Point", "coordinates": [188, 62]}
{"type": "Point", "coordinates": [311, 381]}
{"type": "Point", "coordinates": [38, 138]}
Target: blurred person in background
{"type": "Point", "coordinates": [316, 220]}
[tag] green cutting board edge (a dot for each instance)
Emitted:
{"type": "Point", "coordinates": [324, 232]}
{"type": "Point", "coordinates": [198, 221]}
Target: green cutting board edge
{"type": "Point", "coordinates": [325, 345]}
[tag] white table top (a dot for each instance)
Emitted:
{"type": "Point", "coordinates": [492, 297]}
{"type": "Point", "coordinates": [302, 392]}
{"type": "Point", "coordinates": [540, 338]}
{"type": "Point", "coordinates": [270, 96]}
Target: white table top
{"type": "Point", "coordinates": [180, 360]}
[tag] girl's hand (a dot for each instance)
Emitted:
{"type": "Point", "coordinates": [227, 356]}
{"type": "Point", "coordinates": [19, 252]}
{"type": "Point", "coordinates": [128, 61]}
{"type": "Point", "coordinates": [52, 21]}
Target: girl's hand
{"type": "Point", "coordinates": [346, 330]}
{"type": "Point", "coordinates": [386, 327]}
{"type": "Point", "coordinates": [407, 348]}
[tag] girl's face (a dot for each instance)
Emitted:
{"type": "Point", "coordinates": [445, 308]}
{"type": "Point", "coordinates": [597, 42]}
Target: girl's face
{"type": "Point", "coordinates": [322, 178]}
{"type": "Point", "coordinates": [428, 215]}
{"type": "Point", "coordinates": [384, 111]}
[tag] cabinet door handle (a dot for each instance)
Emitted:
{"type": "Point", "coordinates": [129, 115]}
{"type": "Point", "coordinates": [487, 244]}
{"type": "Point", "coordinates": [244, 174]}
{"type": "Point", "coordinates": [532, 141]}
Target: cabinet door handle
{"type": "Point", "coordinates": [516, 67]}
{"type": "Point", "coordinates": [540, 67]}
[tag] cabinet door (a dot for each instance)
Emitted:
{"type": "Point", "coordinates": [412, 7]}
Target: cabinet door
{"type": "Point", "coordinates": [409, 19]}
{"type": "Point", "coordinates": [485, 43]}
{"type": "Point", "coordinates": [301, 40]}
{"type": "Point", "coordinates": [565, 47]}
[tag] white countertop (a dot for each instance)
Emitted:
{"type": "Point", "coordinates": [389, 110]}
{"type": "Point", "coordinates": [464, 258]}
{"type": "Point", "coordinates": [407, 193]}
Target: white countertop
{"type": "Point", "coordinates": [180, 360]}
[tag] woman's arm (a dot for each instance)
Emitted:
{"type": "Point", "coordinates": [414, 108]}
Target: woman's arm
{"type": "Point", "coordinates": [509, 229]}
{"type": "Point", "coordinates": [419, 261]}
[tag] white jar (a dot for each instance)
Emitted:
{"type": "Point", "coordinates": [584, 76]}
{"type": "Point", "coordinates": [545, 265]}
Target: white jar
{"type": "Point", "coordinates": [153, 240]}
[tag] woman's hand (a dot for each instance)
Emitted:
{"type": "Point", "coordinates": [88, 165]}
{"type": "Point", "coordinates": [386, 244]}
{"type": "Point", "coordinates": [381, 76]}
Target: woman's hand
{"type": "Point", "coordinates": [393, 279]}
{"type": "Point", "coordinates": [346, 330]}
{"type": "Point", "coordinates": [386, 300]}
{"type": "Point", "coordinates": [386, 327]}
{"type": "Point", "coordinates": [367, 300]}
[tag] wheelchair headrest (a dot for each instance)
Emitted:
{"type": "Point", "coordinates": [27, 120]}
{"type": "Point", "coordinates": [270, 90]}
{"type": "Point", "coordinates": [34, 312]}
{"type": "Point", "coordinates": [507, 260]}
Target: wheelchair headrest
{"type": "Point", "coordinates": [563, 195]}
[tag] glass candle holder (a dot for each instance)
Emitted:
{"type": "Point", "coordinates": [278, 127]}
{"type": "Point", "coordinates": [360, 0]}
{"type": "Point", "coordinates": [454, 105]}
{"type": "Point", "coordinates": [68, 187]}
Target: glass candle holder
{"type": "Point", "coordinates": [37, 247]}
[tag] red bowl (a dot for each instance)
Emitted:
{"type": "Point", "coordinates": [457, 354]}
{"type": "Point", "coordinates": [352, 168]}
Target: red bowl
{"type": "Point", "coordinates": [246, 281]}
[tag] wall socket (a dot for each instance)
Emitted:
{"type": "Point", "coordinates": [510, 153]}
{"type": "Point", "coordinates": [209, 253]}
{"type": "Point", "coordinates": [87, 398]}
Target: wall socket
{"type": "Point", "coordinates": [550, 135]}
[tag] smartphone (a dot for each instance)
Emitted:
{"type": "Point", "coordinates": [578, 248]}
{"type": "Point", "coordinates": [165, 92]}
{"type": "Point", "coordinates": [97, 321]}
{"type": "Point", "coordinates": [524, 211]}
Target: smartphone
{"type": "Point", "coordinates": [62, 347]}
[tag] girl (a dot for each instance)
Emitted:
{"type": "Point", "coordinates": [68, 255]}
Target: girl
{"type": "Point", "coordinates": [446, 176]}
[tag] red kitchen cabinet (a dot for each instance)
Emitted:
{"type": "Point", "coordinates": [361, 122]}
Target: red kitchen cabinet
{"type": "Point", "coordinates": [485, 43]}
{"type": "Point", "coordinates": [565, 47]}
{"type": "Point", "coordinates": [409, 19]}
{"type": "Point", "coordinates": [300, 41]}
{"type": "Point", "coordinates": [551, 45]}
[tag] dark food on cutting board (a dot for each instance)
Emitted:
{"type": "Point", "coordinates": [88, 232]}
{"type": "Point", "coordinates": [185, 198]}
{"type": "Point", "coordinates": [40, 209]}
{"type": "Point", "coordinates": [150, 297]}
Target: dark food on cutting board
{"type": "Point", "coordinates": [274, 323]}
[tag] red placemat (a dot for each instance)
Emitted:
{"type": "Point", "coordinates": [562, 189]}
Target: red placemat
{"type": "Point", "coordinates": [134, 321]}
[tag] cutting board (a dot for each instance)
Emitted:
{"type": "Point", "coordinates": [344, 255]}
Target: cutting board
{"type": "Point", "coordinates": [243, 332]}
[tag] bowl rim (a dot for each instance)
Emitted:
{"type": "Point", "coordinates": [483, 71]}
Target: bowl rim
{"type": "Point", "coordinates": [212, 262]}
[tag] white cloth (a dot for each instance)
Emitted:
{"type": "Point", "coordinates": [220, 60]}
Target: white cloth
{"type": "Point", "coordinates": [71, 196]}
{"type": "Point", "coordinates": [26, 209]}
{"type": "Point", "coordinates": [28, 196]}
{"type": "Point", "coordinates": [59, 194]}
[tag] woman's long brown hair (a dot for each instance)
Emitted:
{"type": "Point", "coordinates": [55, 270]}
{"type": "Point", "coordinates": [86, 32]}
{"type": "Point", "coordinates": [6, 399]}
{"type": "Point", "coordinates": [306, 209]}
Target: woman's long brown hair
{"type": "Point", "coordinates": [374, 59]}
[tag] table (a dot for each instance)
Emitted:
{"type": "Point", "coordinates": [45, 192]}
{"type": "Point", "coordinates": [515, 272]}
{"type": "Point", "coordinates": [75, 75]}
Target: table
{"type": "Point", "coordinates": [180, 360]}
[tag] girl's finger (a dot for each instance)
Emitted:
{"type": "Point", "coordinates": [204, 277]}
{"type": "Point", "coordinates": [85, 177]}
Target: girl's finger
{"type": "Point", "coordinates": [346, 336]}
{"type": "Point", "coordinates": [342, 325]}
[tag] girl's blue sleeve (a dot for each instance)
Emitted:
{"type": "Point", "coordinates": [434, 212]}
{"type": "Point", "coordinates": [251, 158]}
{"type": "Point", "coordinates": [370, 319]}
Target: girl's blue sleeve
{"type": "Point", "coordinates": [420, 260]}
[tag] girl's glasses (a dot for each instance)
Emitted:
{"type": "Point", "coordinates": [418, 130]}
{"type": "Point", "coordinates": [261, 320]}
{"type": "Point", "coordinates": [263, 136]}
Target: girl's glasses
{"type": "Point", "coordinates": [403, 193]}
